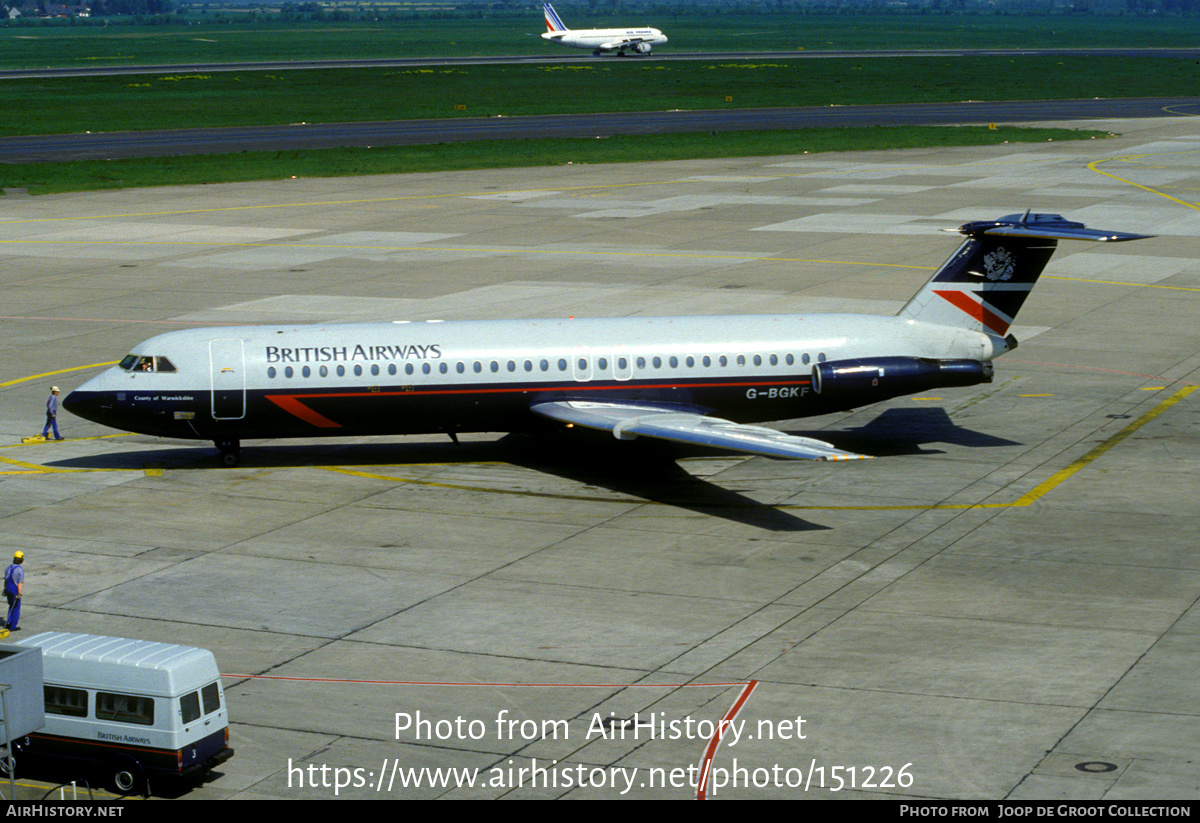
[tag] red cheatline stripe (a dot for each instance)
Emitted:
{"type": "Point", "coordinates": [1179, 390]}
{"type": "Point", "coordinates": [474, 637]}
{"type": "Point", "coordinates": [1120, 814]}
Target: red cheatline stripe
{"type": "Point", "coordinates": [979, 311]}
{"type": "Point", "coordinates": [706, 763]}
{"type": "Point", "coordinates": [291, 405]}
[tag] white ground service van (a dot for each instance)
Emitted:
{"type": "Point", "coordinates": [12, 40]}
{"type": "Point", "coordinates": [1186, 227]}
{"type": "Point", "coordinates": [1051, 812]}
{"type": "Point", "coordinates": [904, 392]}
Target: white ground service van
{"type": "Point", "coordinates": [135, 710]}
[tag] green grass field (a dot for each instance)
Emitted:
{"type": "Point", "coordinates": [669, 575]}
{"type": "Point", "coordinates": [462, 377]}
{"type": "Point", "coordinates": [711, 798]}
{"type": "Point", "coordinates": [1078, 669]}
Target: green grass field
{"type": "Point", "coordinates": [202, 39]}
{"type": "Point", "coordinates": [135, 102]}
{"type": "Point", "coordinates": [48, 178]}
{"type": "Point", "coordinates": [581, 84]}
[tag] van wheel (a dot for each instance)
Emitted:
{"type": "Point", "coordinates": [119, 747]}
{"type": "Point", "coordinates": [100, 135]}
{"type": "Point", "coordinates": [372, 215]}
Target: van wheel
{"type": "Point", "coordinates": [8, 764]}
{"type": "Point", "coordinates": [126, 776]}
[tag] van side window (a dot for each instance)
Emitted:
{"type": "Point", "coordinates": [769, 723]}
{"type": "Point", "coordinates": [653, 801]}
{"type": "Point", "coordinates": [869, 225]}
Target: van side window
{"type": "Point", "coordinates": [61, 700]}
{"type": "Point", "coordinates": [125, 708]}
{"type": "Point", "coordinates": [189, 706]}
{"type": "Point", "coordinates": [212, 698]}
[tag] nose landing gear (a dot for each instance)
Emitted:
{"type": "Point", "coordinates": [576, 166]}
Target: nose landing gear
{"type": "Point", "coordinates": [230, 452]}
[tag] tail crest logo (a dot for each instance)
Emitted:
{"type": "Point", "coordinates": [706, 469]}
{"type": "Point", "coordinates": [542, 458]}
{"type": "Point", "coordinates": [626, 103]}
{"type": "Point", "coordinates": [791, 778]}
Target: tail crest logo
{"type": "Point", "coordinates": [999, 264]}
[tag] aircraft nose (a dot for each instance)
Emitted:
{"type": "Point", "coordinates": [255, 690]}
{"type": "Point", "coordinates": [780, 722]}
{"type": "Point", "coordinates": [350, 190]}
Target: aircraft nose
{"type": "Point", "coordinates": [75, 403]}
{"type": "Point", "coordinates": [85, 402]}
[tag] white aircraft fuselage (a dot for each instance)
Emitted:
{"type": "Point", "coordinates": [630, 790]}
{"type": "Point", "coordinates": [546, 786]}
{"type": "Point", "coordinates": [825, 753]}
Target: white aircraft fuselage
{"type": "Point", "coordinates": [640, 40]}
{"type": "Point", "coordinates": [691, 379]}
{"type": "Point", "coordinates": [422, 377]}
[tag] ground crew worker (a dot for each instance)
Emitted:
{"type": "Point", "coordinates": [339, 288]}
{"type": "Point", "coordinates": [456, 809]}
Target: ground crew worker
{"type": "Point", "coordinates": [14, 587]}
{"type": "Point", "coordinates": [52, 415]}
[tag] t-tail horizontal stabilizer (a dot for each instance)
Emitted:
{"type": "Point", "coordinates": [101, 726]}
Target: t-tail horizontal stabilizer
{"type": "Point", "coordinates": [1046, 226]}
{"type": "Point", "coordinates": [985, 282]}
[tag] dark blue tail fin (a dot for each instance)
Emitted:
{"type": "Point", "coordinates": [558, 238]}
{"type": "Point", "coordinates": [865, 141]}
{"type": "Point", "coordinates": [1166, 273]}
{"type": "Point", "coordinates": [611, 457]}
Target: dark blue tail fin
{"type": "Point", "coordinates": [984, 284]}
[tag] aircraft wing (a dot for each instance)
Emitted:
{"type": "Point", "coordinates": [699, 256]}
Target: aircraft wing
{"type": "Point", "coordinates": [629, 420]}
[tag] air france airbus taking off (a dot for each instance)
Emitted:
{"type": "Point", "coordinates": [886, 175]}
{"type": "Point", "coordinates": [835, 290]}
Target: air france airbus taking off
{"type": "Point", "coordinates": [600, 40]}
{"type": "Point", "coordinates": [698, 380]}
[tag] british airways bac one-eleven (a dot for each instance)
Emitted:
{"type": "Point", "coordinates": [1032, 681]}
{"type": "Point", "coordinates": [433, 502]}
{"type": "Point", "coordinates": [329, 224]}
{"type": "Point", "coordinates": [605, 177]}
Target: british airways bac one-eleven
{"type": "Point", "coordinates": [695, 380]}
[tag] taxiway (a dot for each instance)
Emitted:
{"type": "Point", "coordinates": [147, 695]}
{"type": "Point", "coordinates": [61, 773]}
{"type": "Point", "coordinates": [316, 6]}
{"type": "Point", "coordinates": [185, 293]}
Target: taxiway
{"type": "Point", "coordinates": [1002, 606]}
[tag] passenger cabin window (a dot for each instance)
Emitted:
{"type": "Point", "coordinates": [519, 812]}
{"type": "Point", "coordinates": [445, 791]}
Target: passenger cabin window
{"type": "Point", "coordinates": [69, 702]}
{"type": "Point", "coordinates": [125, 708]}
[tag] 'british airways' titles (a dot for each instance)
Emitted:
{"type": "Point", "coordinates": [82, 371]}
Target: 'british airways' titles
{"type": "Point", "coordinates": [332, 354]}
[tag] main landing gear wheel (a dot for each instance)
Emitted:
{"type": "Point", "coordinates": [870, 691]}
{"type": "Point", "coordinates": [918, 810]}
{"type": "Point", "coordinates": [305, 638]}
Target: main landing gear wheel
{"type": "Point", "coordinates": [230, 452]}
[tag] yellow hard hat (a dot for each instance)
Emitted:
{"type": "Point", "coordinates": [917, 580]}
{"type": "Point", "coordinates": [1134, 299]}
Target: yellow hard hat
{"type": "Point", "coordinates": [19, 555]}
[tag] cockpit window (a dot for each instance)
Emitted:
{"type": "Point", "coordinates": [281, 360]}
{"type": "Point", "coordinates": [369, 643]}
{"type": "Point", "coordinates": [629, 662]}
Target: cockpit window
{"type": "Point", "coordinates": [146, 363]}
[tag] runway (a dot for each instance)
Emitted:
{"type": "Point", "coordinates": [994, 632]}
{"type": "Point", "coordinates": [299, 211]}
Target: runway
{"type": "Point", "coordinates": [1002, 605]}
{"type": "Point", "coordinates": [558, 56]}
